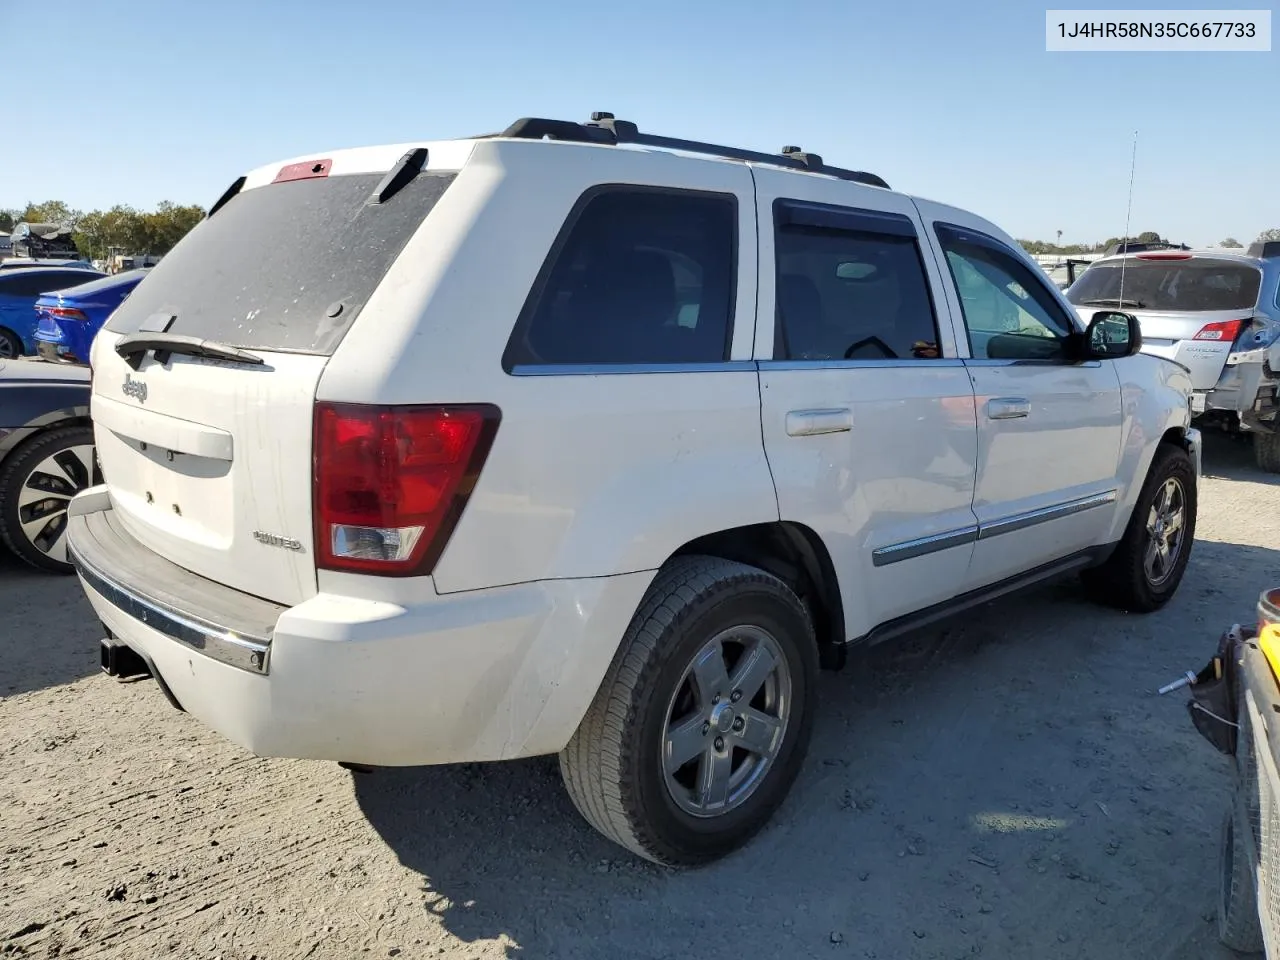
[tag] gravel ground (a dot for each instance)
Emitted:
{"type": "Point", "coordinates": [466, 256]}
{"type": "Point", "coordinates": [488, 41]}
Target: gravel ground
{"type": "Point", "coordinates": [1007, 786]}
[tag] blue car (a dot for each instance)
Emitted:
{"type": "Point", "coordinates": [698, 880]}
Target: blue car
{"type": "Point", "coordinates": [19, 290]}
{"type": "Point", "coordinates": [68, 320]}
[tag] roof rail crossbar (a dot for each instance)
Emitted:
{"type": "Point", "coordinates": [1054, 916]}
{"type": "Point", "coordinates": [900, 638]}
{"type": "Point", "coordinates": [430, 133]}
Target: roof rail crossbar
{"type": "Point", "coordinates": [539, 128]}
{"type": "Point", "coordinates": [604, 128]}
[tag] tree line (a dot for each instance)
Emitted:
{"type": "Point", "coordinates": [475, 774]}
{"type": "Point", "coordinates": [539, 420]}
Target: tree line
{"type": "Point", "coordinates": [1035, 247]}
{"type": "Point", "coordinates": [156, 231]}
{"type": "Point", "coordinates": [97, 231]}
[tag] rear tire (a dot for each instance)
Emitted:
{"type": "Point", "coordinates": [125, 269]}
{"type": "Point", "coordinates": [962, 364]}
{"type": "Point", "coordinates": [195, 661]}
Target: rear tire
{"type": "Point", "coordinates": [1239, 926]}
{"type": "Point", "coordinates": [10, 344]}
{"type": "Point", "coordinates": [1266, 451]}
{"type": "Point", "coordinates": [1143, 573]}
{"type": "Point", "coordinates": [718, 666]}
{"type": "Point", "coordinates": [37, 482]}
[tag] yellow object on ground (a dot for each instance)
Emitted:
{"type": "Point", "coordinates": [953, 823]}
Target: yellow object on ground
{"type": "Point", "coordinates": [1269, 644]}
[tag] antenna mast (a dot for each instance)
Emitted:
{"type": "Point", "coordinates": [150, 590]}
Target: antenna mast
{"type": "Point", "coordinates": [1133, 164]}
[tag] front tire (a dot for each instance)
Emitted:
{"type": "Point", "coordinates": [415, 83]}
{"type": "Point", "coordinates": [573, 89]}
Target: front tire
{"type": "Point", "coordinates": [702, 722]}
{"type": "Point", "coordinates": [1144, 572]}
{"type": "Point", "coordinates": [37, 482]}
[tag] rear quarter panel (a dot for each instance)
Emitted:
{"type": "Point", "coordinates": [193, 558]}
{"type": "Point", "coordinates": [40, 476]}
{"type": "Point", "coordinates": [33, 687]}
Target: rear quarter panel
{"type": "Point", "coordinates": [590, 474]}
{"type": "Point", "coordinates": [29, 406]}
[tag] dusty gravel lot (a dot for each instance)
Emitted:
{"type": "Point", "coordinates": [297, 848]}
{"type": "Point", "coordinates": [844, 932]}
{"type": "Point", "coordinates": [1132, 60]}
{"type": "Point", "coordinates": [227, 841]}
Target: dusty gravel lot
{"type": "Point", "coordinates": [1007, 787]}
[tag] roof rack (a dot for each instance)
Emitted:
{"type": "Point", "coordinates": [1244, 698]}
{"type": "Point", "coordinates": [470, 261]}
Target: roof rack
{"type": "Point", "coordinates": [1265, 249]}
{"type": "Point", "coordinates": [1142, 246]}
{"type": "Point", "coordinates": [603, 128]}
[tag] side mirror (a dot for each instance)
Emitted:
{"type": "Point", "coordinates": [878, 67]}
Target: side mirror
{"type": "Point", "coordinates": [1112, 335]}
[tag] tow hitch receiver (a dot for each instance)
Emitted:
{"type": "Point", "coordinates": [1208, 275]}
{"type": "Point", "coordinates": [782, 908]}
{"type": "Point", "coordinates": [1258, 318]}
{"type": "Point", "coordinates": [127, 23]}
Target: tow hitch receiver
{"type": "Point", "coordinates": [122, 662]}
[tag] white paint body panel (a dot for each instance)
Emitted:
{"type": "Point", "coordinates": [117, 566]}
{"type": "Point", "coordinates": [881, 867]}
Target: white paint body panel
{"type": "Point", "coordinates": [904, 469]}
{"type": "Point", "coordinates": [240, 439]}
{"type": "Point", "coordinates": [493, 675]}
{"type": "Point", "coordinates": [1065, 448]}
{"type": "Point", "coordinates": [594, 478]}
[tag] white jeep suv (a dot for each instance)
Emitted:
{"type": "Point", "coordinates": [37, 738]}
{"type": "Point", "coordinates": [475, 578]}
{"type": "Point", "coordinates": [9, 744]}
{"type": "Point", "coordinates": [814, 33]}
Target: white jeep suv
{"type": "Point", "coordinates": [578, 440]}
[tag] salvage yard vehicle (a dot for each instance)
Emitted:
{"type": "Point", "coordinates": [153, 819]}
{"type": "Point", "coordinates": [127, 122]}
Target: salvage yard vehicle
{"type": "Point", "coordinates": [19, 291]}
{"type": "Point", "coordinates": [653, 429]}
{"type": "Point", "coordinates": [68, 320]}
{"type": "Point", "coordinates": [1217, 313]}
{"type": "Point", "coordinates": [46, 457]}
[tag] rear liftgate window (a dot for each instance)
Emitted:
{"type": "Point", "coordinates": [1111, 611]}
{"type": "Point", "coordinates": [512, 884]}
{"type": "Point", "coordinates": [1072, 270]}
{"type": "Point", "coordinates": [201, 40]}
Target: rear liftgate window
{"type": "Point", "coordinates": [286, 266]}
{"type": "Point", "coordinates": [1178, 285]}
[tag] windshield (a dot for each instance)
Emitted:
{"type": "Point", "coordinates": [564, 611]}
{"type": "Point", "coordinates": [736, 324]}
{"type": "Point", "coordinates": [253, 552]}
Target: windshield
{"type": "Point", "coordinates": [1198, 285]}
{"type": "Point", "coordinates": [284, 267]}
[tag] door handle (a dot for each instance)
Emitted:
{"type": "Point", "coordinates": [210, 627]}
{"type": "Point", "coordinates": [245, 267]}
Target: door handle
{"type": "Point", "coordinates": [810, 423]}
{"type": "Point", "coordinates": [1007, 408]}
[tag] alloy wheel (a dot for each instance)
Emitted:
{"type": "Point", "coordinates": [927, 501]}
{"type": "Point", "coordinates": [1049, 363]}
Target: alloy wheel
{"type": "Point", "coordinates": [1165, 528]}
{"type": "Point", "coordinates": [726, 721]}
{"type": "Point", "coordinates": [46, 493]}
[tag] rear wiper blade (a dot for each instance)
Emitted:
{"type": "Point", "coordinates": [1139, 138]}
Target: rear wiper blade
{"type": "Point", "coordinates": [135, 346]}
{"type": "Point", "coordinates": [1118, 301]}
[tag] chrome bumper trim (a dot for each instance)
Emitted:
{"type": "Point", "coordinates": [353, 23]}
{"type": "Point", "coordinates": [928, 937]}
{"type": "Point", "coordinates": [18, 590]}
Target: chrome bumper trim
{"type": "Point", "coordinates": [218, 643]}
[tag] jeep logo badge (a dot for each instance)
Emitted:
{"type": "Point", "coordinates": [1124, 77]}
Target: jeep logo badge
{"type": "Point", "coordinates": [134, 388]}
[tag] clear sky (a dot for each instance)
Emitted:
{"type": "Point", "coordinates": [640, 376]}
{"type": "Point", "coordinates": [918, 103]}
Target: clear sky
{"type": "Point", "coordinates": [172, 99]}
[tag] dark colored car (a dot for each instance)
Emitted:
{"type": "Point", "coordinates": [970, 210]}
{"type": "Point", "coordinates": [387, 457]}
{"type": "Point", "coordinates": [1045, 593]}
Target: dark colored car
{"type": "Point", "coordinates": [46, 456]}
{"type": "Point", "coordinates": [68, 320]}
{"type": "Point", "coordinates": [19, 290]}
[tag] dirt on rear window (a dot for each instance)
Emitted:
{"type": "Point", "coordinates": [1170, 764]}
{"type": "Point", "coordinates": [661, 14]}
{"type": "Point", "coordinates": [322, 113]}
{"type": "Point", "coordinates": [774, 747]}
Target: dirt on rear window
{"type": "Point", "coordinates": [283, 267]}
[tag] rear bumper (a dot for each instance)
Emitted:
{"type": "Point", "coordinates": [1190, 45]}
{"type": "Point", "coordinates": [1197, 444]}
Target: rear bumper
{"type": "Point", "coordinates": [1243, 380]}
{"type": "Point", "coordinates": [486, 675]}
{"type": "Point", "coordinates": [47, 350]}
{"type": "Point", "coordinates": [1246, 389]}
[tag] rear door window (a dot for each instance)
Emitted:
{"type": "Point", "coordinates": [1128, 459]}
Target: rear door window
{"type": "Point", "coordinates": [852, 294]}
{"type": "Point", "coordinates": [1197, 285]}
{"type": "Point", "coordinates": [639, 276]}
{"type": "Point", "coordinates": [287, 266]}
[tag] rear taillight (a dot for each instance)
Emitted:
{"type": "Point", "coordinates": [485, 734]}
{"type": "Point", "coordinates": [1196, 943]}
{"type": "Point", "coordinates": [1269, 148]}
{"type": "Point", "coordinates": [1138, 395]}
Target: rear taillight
{"type": "Point", "coordinates": [392, 481]}
{"type": "Point", "coordinates": [1224, 331]}
{"type": "Point", "coordinates": [65, 313]}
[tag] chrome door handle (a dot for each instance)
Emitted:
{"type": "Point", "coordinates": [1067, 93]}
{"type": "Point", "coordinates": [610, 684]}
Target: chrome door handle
{"type": "Point", "coordinates": [810, 423]}
{"type": "Point", "coordinates": [1007, 408]}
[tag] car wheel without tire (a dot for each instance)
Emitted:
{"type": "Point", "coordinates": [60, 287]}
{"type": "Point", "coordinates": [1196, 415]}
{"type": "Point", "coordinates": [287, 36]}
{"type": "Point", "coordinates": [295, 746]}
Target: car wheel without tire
{"type": "Point", "coordinates": [702, 722]}
{"type": "Point", "coordinates": [10, 344]}
{"type": "Point", "coordinates": [1147, 566]}
{"type": "Point", "coordinates": [1239, 926]}
{"type": "Point", "coordinates": [37, 482]}
{"type": "Point", "coordinates": [1266, 451]}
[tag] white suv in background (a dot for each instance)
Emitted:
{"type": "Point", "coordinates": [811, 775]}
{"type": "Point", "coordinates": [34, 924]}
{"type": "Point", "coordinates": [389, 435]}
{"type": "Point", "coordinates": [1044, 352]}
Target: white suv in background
{"type": "Point", "coordinates": [577, 440]}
